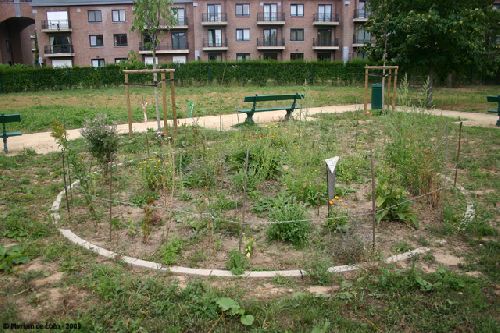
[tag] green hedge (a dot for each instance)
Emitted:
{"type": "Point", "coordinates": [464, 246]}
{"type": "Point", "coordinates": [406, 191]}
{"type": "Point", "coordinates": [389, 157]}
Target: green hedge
{"type": "Point", "coordinates": [15, 79]}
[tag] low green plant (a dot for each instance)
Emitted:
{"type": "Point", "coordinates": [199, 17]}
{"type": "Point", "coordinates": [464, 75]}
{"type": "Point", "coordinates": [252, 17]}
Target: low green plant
{"type": "Point", "coordinates": [237, 262]}
{"type": "Point", "coordinates": [171, 250]}
{"type": "Point", "coordinates": [10, 256]}
{"type": "Point", "coordinates": [393, 204]}
{"type": "Point", "coordinates": [317, 271]}
{"type": "Point", "coordinates": [401, 247]}
{"type": "Point", "coordinates": [230, 306]}
{"type": "Point", "coordinates": [288, 222]}
{"type": "Point", "coordinates": [338, 220]}
{"type": "Point", "coordinates": [154, 173]}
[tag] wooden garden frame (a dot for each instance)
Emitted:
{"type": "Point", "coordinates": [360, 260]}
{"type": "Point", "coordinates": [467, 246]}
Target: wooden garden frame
{"type": "Point", "coordinates": [391, 86]}
{"type": "Point", "coordinates": [163, 80]}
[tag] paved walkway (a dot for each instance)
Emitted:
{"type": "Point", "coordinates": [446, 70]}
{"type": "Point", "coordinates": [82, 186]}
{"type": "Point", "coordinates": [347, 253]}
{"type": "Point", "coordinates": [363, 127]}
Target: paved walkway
{"type": "Point", "coordinates": [43, 143]}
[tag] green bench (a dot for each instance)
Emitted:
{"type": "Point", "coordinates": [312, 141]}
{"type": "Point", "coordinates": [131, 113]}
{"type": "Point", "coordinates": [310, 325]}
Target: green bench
{"type": "Point", "coordinates": [8, 118]}
{"type": "Point", "coordinates": [270, 98]}
{"type": "Point", "coordinates": [495, 99]}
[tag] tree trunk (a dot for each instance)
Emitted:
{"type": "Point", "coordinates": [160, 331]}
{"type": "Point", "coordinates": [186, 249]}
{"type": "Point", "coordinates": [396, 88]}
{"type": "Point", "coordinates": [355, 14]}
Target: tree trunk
{"type": "Point", "coordinates": [430, 79]}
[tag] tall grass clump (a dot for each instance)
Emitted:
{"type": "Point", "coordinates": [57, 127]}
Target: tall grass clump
{"type": "Point", "coordinates": [288, 222]}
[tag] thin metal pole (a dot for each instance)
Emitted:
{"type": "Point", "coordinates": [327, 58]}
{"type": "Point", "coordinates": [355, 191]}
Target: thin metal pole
{"type": "Point", "coordinates": [129, 108]}
{"type": "Point", "coordinates": [164, 100]}
{"type": "Point", "coordinates": [366, 91]}
{"type": "Point", "coordinates": [374, 219]}
{"type": "Point", "coordinates": [458, 152]}
{"type": "Point", "coordinates": [242, 222]}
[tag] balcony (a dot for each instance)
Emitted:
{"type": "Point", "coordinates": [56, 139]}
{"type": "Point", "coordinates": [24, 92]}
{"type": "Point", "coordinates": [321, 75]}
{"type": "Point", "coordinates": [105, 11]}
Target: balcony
{"type": "Point", "coordinates": [64, 50]}
{"type": "Point", "coordinates": [360, 41]}
{"type": "Point", "coordinates": [214, 19]}
{"type": "Point", "coordinates": [164, 48]}
{"type": "Point", "coordinates": [271, 44]}
{"type": "Point", "coordinates": [361, 15]}
{"type": "Point", "coordinates": [56, 25]}
{"type": "Point", "coordinates": [325, 44]}
{"type": "Point", "coordinates": [181, 23]}
{"type": "Point", "coordinates": [271, 18]}
{"type": "Point", "coordinates": [326, 19]}
{"type": "Point", "coordinates": [215, 45]}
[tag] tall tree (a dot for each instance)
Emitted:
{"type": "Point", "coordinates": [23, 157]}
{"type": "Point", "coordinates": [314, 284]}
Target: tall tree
{"type": "Point", "coordinates": [437, 38]}
{"type": "Point", "coordinates": [151, 18]}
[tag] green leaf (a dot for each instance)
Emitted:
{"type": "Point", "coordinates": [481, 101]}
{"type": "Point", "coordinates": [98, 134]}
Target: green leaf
{"type": "Point", "coordinates": [226, 303]}
{"type": "Point", "coordinates": [247, 320]}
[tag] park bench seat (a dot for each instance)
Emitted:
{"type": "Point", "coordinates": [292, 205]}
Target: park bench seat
{"type": "Point", "coordinates": [5, 119]}
{"type": "Point", "coordinates": [495, 99]}
{"type": "Point", "coordinates": [270, 98]}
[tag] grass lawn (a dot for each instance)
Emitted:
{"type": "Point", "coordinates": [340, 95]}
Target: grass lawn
{"type": "Point", "coordinates": [50, 280]}
{"type": "Point", "coordinates": [40, 109]}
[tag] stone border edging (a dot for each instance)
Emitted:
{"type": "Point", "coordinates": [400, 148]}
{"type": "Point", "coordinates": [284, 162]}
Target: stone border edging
{"type": "Point", "coordinates": [75, 239]}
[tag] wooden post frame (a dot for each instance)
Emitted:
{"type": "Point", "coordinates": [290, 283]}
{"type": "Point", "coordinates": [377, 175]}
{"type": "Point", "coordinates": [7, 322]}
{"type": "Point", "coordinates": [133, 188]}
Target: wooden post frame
{"type": "Point", "coordinates": [392, 85]}
{"type": "Point", "coordinates": [163, 72]}
{"type": "Point", "coordinates": [164, 101]}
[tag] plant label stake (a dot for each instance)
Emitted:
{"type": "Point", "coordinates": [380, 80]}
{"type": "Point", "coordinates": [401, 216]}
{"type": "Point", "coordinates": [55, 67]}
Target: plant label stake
{"type": "Point", "coordinates": [331, 165]}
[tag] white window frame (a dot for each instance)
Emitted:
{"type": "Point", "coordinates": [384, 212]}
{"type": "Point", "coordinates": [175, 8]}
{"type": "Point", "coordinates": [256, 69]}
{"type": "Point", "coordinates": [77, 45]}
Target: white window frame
{"type": "Point", "coordinates": [242, 34]}
{"type": "Point", "coordinates": [297, 10]}
{"type": "Point", "coordinates": [120, 15]}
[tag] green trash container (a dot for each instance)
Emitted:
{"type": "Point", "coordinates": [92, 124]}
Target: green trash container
{"type": "Point", "coordinates": [377, 96]}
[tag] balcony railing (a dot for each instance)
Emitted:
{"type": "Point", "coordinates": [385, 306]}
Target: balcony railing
{"type": "Point", "coordinates": [181, 21]}
{"type": "Point", "coordinates": [326, 42]}
{"type": "Point", "coordinates": [327, 18]}
{"type": "Point", "coordinates": [64, 48]}
{"type": "Point", "coordinates": [214, 17]}
{"type": "Point", "coordinates": [164, 46]}
{"type": "Point", "coordinates": [215, 43]}
{"type": "Point", "coordinates": [271, 42]}
{"type": "Point", "coordinates": [56, 24]}
{"type": "Point", "coordinates": [361, 14]}
{"type": "Point", "coordinates": [361, 39]}
{"type": "Point", "coordinates": [270, 17]}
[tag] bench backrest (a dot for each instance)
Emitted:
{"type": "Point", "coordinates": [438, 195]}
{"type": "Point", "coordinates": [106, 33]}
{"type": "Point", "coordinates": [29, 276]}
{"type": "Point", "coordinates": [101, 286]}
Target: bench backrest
{"type": "Point", "coordinates": [10, 118]}
{"type": "Point", "coordinates": [493, 99]}
{"type": "Point", "coordinates": [269, 98]}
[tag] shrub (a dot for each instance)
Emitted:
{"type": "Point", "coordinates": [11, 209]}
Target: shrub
{"type": "Point", "coordinates": [288, 223]}
{"type": "Point", "coordinates": [155, 174]}
{"type": "Point", "coordinates": [236, 262]}
{"type": "Point", "coordinates": [317, 271]}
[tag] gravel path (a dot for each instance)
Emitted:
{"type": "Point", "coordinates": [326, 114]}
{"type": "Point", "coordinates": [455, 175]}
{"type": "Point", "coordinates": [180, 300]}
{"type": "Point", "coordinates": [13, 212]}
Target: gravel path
{"type": "Point", "coordinates": [43, 143]}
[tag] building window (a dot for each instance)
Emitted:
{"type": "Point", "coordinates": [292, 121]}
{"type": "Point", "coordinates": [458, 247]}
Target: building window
{"type": "Point", "coordinates": [118, 15]}
{"type": "Point", "coordinates": [215, 56]}
{"type": "Point", "coordinates": [296, 10]}
{"type": "Point", "coordinates": [120, 60]}
{"type": "Point", "coordinates": [95, 16]}
{"type": "Point", "coordinates": [97, 62]}
{"type": "Point", "coordinates": [180, 15]}
{"type": "Point", "coordinates": [324, 56]}
{"type": "Point", "coordinates": [296, 56]}
{"type": "Point", "coordinates": [242, 9]}
{"type": "Point", "coordinates": [325, 13]}
{"type": "Point", "coordinates": [96, 40]}
{"type": "Point", "coordinates": [214, 13]}
{"type": "Point", "coordinates": [297, 35]}
{"type": "Point", "coordinates": [179, 41]}
{"type": "Point", "coordinates": [121, 40]}
{"type": "Point", "coordinates": [242, 34]}
{"type": "Point", "coordinates": [270, 56]}
{"type": "Point", "coordinates": [242, 56]}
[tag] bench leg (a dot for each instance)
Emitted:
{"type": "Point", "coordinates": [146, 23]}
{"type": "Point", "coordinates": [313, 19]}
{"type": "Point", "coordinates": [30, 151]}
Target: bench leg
{"type": "Point", "coordinates": [5, 145]}
{"type": "Point", "coordinates": [249, 119]}
{"type": "Point", "coordinates": [288, 114]}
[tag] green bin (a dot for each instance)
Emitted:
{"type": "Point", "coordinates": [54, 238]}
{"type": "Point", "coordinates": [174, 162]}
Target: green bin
{"type": "Point", "coordinates": [377, 96]}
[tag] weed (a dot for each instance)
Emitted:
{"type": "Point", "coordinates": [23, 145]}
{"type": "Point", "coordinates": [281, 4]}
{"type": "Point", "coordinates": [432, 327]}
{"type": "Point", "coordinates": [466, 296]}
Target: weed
{"type": "Point", "coordinates": [317, 271]}
{"type": "Point", "coordinates": [393, 204]}
{"type": "Point", "coordinates": [232, 307]}
{"type": "Point", "coordinates": [338, 221]}
{"type": "Point", "coordinates": [288, 222]}
{"type": "Point", "coordinates": [401, 247]}
{"type": "Point", "coordinates": [10, 256]}
{"type": "Point", "coordinates": [237, 263]}
{"type": "Point", "coordinates": [171, 250]}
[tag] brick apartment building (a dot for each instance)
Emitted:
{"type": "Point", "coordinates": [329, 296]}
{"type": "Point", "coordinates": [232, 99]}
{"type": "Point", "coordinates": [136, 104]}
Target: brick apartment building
{"type": "Point", "coordinates": [95, 33]}
{"type": "Point", "coordinates": [98, 32]}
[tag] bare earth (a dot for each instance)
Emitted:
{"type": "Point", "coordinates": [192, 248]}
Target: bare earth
{"type": "Point", "coordinates": [43, 143]}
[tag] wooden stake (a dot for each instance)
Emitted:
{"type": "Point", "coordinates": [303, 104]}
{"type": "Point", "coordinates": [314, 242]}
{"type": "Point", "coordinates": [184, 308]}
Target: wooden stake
{"type": "Point", "coordinates": [374, 218]}
{"type": "Point", "coordinates": [164, 100]}
{"type": "Point", "coordinates": [389, 85]}
{"type": "Point", "coordinates": [395, 89]}
{"type": "Point", "coordinates": [458, 152]}
{"type": "Point", "coordinates": [129, 108]}
{"type": "Point", "coordinates": [172, 97]}
{"type": "Point", "coordinates": [242, 222]}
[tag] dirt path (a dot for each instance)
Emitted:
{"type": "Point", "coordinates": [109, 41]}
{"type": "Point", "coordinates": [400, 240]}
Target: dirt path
{"type": "Point", "coordinates": [43, 143]}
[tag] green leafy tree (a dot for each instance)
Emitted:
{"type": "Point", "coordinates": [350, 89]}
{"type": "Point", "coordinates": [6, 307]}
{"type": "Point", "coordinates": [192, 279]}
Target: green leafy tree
{"type": "Point", "coordinates": [437, 38]}
{"type": "Point", "coordinates": [151, 17]}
